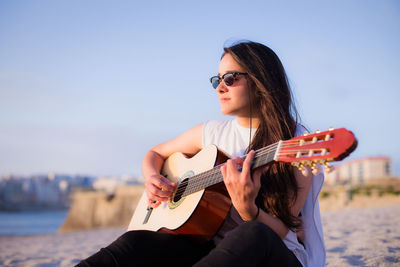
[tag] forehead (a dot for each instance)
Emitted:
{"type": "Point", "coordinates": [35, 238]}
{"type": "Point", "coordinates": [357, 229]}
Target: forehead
{"type": "Point", "coordinates": [228, 64]}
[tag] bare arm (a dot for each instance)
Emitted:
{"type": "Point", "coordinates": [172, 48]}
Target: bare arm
{"type": "Point", "coordinates": [158, 188]}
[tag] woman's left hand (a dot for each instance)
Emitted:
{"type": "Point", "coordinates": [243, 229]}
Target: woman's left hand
{"type": "Point", "coordinates": [243, 186]}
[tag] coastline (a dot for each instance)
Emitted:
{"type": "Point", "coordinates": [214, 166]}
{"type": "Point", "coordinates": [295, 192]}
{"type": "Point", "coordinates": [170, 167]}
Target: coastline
{"type": "Point", "coordinates": [357, 236]}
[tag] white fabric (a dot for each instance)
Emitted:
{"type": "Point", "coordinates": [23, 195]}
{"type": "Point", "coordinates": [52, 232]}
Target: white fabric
{"type": "Point", "coordinates": [233, 139]}
{"type": "Point", "coordinates": [314, 254]}
{"type": "Point", "coordinates": [228, 136]}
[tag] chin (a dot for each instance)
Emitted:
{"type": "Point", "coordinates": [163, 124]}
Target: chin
{"type": "Point", "coordinates": [225, 112]}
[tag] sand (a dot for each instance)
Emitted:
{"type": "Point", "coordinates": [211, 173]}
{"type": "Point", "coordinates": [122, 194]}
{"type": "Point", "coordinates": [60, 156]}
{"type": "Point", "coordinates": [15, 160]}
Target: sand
{"type": "Point", "coordinates": [65, 249]}
{"type": "Point", "coordinates": [362, 236]}
{"type": "Point", "coordinates": [353, 236]}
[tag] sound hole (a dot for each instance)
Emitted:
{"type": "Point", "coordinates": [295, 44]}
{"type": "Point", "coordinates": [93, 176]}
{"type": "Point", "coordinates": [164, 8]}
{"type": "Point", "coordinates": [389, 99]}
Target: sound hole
{"type": "Point", "coordinates": [180, 190]}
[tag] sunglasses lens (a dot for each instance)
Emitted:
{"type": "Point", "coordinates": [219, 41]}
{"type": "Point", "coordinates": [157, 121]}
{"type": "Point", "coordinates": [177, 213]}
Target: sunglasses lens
{"type": "Point", "coordinates": [215, 81]}
{"type": "Point", "coordinates": [229, 79]}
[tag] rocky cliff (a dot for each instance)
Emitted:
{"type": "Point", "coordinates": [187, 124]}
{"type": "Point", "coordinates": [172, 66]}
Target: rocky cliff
{"type": "Point", "coordinates": [92, 210]}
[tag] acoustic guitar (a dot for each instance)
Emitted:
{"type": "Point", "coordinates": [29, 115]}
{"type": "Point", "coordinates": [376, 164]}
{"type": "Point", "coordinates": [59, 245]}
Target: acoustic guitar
{"type": "Point", "coordinates": [200, 203]}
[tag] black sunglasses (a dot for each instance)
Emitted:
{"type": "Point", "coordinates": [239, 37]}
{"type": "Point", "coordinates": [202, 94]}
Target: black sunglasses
{"type": "Point", "coordinates": [229, 79]}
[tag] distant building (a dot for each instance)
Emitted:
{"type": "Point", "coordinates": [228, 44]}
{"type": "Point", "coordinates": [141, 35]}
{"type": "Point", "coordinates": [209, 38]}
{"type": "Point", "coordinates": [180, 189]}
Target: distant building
{"type": "Point", "coordinates": [357, 172]}
{"type": "Point", "coordinates": [110, 184]}
{"type": "Point", "coordinates": [107, 185]}
{"type": "Point", "coordinates": [39, 192]}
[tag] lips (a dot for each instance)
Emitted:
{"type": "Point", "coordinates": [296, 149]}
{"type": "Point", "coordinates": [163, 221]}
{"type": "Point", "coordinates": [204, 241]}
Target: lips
{"type": "Point", "coordinates": [224, 99]}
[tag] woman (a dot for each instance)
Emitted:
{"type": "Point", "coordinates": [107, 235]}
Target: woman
{"type": "Point", "coordinates": [269, 205]}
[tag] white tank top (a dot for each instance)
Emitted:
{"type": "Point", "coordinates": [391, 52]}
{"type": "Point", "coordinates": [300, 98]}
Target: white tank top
{"type": "Point", "coordinates": [233, 139]}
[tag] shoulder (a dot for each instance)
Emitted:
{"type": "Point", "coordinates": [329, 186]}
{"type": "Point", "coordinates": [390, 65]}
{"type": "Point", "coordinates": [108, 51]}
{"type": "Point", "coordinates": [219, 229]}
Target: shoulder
{"type": "Point", "coordinates": [216, 130]}
{"type": "Point", "coordinates": [216, 125]}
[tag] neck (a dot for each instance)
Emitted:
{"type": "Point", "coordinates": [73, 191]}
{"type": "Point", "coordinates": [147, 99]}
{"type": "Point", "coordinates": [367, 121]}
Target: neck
{"type": "Point", "coordinates": [213, 176]}
{"type": "Point", "coordinates": [245, 122]}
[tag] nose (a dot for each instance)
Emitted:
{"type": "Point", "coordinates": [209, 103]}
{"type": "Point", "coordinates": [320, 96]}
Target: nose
{"type": "Point", "coordinates": [222, 88]}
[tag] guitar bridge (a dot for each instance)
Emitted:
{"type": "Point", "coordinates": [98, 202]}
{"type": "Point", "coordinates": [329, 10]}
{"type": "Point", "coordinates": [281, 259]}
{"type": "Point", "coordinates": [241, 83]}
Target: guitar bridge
{"type": "Point", "coordinates": [149, 211]}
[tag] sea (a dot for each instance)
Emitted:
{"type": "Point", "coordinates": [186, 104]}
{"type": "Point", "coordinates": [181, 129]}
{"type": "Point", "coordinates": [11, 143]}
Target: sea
{"type": "Point", "coordinates": [31, 223]}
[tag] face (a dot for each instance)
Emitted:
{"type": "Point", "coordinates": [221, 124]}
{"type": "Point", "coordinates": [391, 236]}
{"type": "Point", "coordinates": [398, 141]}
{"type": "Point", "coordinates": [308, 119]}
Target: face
{"type": "Point", "coordinates": [234, 99]}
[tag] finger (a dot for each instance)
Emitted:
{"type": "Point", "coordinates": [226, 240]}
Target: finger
{"type": "Point", "coordinates": [163, 183]}
{"type": "Point", "coordinates": [229, 167]}
{"type": "Point", "coordinates": [257, 177]}
{"type": "Point", "coordinates": [260, 170]}
{"type": "Point", "coordinates": [167, 185]}
{"type": "Point", "coordinates": [153, 196]}
{"type": "Point", "coordinates": [231, 171]}
{"type": "Point", "coordinates": [237, 161]}
{"type": "Point", "coordinates": [227, 170]}
{"type": "Point", "coordinates": [248, 161]}
{"type": "Point", "coordinates": [223, 171]}
{"type": "Point", "coordinates": [158, 199]}
{"type": "Point", "coordinates": [157, 192]}
{"type": "Point", "coordinates": [153, 203]}
{"type": "Point", "coordinates": [234, 166]}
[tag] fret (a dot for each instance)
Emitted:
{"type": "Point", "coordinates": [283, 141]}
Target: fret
{"type": "Point", "coordinates": [213, 176]}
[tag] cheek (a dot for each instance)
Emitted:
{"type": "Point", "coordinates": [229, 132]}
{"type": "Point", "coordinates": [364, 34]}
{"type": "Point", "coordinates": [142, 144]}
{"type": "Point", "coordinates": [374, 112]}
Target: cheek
{"type": "Point", "coordinates": [243, 96]}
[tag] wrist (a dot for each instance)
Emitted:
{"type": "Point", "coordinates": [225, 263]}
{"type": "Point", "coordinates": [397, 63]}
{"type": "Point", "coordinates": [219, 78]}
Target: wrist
{"type": "Point", "coordinates": [254, 217]}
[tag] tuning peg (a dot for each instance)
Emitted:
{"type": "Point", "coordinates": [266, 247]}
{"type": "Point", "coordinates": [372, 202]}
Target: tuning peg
{"type": "Point", "coordinates": [305, 133]}
{"type": "Point", "coordinates": [308, 163]}
{"type": "Point", "coordinates": [328, 168]}
{"type": "Point", "coordinates": [316, 169]}
{"type": "Point", "coordinates": [331, 128]}
{"type": "Point", "coordinates": [301, 167]}
{"type": "Point", "coordinates": [305, 171]}
{"type": "Point", "coordinates": [295, 164]}
{"type": "Point", "coordinates": [318, 131]}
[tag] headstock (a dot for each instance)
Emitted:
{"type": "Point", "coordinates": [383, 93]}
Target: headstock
{"type": "Point", "coordinates": [318, 148]}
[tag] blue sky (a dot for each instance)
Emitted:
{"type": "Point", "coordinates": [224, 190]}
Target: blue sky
{"type": "Point", "coordinates": [87, 87]}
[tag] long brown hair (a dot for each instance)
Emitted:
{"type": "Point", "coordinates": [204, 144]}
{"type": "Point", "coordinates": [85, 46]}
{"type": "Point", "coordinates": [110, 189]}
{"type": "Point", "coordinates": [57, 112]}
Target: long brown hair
{"type": "Point", "coordinates": [271, 101]}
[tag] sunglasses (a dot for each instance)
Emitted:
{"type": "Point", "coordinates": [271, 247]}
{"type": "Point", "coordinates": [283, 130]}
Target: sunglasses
{"type": "Point", "coordinates": [229, 79]}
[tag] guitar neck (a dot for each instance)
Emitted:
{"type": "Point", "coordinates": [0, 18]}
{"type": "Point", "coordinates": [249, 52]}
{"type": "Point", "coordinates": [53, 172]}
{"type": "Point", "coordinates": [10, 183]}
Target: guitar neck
{"type": "Point", "coordinates": [213, 176]}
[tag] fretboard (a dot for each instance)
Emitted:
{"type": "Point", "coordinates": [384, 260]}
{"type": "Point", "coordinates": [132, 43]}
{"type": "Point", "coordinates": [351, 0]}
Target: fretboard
{"type": "Point", "coordinates": [213, 176]}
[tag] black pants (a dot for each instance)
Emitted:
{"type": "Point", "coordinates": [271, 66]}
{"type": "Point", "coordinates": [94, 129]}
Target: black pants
{"type": "Point", "coordinates": [250, 244]}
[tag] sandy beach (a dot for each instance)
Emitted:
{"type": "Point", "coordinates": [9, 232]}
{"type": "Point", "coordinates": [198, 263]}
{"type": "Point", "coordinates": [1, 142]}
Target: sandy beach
{"type": "Point", "coordinates": [362, 236]}
{"type": "Point", "coordinates": [353, 237]}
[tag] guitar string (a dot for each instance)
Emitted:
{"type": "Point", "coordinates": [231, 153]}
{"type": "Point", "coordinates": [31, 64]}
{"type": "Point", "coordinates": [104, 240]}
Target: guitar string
{"type": "Point", "coordinates": [198, 184]}
{"type": "Point", "coordinates": [194, 185]}
{"type": "Point", "coordinates": [258, 155]}
{"type": "Point", "coordinates": [264, 152]}
{"type": "Point", "coordinates": [198, 180]}
{"type": "Point", "coordinates": [213, 175]}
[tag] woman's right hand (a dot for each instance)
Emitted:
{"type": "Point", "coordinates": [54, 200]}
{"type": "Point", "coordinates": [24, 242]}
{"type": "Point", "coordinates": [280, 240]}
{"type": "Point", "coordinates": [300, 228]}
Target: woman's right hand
{"type": "Point", "coordinates": [158, 189]}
